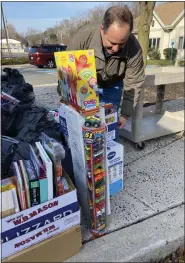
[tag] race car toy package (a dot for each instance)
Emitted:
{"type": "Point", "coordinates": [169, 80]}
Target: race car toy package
{"type": "Point", "coordinates": [94, 145]}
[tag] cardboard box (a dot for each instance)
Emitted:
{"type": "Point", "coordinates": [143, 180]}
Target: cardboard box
{"type": "Point", "coordinates": [37, 223]}
{"type": "Point", "coordinates": [75, 123]}
{"type": "Point", "coordinates": [55, 249]}
{"type": "Point", "coordinates": [77, 79]}
{"type": "Point", "coordinates": [115, 166]}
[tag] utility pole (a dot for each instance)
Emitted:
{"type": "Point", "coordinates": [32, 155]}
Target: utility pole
{"type": "Point", "coordinates": [6, 31]}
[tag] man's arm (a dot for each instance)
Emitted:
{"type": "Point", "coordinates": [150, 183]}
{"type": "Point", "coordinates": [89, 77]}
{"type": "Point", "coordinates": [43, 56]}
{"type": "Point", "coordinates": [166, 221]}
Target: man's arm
{"type": "Point", "coordinates": [134, 79]}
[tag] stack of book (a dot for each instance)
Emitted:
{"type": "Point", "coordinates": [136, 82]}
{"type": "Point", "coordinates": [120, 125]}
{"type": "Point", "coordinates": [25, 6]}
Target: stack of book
{"type": "Point", "coordinates": [35, 181]}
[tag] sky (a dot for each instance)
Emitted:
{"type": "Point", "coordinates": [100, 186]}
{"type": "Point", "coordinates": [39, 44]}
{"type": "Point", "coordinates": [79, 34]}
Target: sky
{"type": "Point", "coordinates": [41, 15]}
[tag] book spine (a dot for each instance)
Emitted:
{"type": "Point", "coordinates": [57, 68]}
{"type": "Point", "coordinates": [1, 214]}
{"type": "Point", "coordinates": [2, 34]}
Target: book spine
{"type": "Point", "coordinates": [34, 184]}
{"type": "Point", "coordinates": [34, 193]}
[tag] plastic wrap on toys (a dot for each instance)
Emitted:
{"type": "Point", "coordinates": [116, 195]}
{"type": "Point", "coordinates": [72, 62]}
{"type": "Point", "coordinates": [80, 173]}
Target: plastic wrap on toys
{"type": "Point", "coordinates": [94, 144]}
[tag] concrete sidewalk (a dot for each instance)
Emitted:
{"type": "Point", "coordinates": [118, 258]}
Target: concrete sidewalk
{"type": "Point", "coordinates": [147, 221]}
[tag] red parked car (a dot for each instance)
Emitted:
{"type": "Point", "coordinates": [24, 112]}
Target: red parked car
{"type": "Point", "coordinates": [43, 55]}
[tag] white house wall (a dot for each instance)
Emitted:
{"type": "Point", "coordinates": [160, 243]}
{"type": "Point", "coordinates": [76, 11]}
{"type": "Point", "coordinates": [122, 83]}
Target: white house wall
{"type": "Point", "coordinates": [166, 38]}
{"type": "Point", "coordinates": [157, 32]}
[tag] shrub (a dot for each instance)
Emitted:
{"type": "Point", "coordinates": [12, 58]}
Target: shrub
{"type": "Point", "coordinates": [167, 53]}
{"type": "Point", "coordinates": [14, 61]}
{"type": "Point", "coordinates": [182, 63]}
{"type": "Point", "coordinates": [154, 54]}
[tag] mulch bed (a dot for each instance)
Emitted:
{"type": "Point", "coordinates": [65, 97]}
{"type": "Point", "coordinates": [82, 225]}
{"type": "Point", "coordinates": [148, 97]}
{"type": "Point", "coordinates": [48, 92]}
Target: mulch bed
{"type": "Point", "coordinates": [176, 257]}
{"type": "Point", "coordinates": [172, 92]}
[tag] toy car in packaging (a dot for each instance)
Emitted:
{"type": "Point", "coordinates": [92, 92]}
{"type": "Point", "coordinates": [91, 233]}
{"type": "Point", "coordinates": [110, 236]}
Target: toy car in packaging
{"type": "Point", "coordinates": [77, 79]}
{"type": "Point", "coordinates": [94, 146]}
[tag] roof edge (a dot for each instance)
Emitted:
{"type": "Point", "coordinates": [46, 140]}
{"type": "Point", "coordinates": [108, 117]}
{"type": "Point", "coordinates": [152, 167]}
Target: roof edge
{"type": "Point", "coordinates": [171, 26]}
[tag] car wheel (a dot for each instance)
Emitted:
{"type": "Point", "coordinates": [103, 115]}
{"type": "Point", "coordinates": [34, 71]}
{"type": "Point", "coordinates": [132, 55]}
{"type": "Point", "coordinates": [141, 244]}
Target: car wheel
{"type": "Point", "coordinates": [40, 66]}
{"type": "Point", "coordinates": [96, 125]}
{"type": "Point", "coordinates": [87, 124]}
{"type": "Point", "coordinates": [50, 63]}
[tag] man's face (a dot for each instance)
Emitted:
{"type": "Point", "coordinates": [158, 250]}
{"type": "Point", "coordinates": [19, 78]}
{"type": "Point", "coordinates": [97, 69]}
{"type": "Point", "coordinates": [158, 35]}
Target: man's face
{"type": "Point", "coordinates": [115, 37]}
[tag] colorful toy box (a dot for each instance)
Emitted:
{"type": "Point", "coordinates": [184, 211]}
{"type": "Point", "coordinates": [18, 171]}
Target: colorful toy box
{"type": "Point", "coordinates": [115, 166]}
{"type": "Point", "coordinates": [94, 146]}
{"type": "Point", "coordinates": [111, 120]}
{"type": "Point", "coordinates": [77, 79]}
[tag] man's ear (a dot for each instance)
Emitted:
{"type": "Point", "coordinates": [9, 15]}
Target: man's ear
{"type": "Point", "coordinates": [101, 27]}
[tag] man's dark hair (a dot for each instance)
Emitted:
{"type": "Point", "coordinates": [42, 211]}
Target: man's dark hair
{"type": "Point", "coordinates": [119, 15]}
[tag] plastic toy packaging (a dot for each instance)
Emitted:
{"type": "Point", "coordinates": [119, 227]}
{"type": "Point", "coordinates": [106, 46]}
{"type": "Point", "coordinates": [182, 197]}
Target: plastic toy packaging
{"type": "Point", "coordinates": [56, 152]}
{"type": "Point", "coordinates": [77, 79]}
{"type": "Point", "coordinates": [94, 145]}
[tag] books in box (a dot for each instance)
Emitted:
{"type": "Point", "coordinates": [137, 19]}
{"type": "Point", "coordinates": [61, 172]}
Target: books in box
{"type": "Point", "coordinates": [37, 223]}
{"type": "Point", "coordinates": [8, 207]}
{"type": "Point", "coordinates": [47, 183]}
{"type": "Point", "coordinates": [20, 186]}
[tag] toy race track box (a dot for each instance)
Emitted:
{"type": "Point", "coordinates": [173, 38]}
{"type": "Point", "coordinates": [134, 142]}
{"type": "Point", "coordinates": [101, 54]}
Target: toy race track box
{"type": "Point", "coordinates": [77, 79]}
{"type": "Point", "coordinates": [54, 249]}
{"type": "Point", "coordinates": [94, 146]}
{"type": "Point", "coordinates": [115, 166]}
{"type": "Point", "coordinates": [31, 226]}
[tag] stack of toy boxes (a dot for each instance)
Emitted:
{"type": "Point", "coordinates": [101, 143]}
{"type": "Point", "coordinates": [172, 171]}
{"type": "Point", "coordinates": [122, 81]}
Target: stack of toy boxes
{"type": "Point", "coordinates": [80, 98]}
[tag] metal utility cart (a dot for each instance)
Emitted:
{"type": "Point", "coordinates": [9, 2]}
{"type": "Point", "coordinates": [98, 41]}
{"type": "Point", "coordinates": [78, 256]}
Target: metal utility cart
{"type": "Point", "coordinates": [144, 126]}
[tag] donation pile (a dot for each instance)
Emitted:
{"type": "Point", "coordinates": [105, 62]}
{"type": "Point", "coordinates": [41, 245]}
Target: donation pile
{"type": "Point", "coordinates": [90, 127]}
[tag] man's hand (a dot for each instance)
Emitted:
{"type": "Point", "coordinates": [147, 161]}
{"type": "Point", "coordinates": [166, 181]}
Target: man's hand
{"type": "Point", "coordinates": [59, 99]}
{"type": "Point", "coordinates": [122, 122]}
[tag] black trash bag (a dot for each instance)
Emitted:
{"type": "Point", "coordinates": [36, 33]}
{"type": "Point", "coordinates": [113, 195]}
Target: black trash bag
{"type": "Point", "coordinates": [33, 121]}
{"type": "Point", "coordinates": [8, 124]}
{"type": "Point", "coordinates": [11, 77]}
{"type": "Point", "coordinates": [12, 150]}
{"type": "Point", "coordinates": [22, 92]}
{"type": "Point", "coordinates": [30, 117]}
{"type": "Point", "coordinates": [13, 83]}
{"type": "Point", "coordinates": [10, 113]}
{"type": "Point", "coordinates": [31, 133]}
{"type": "Point", "coordinates": [8, 148]}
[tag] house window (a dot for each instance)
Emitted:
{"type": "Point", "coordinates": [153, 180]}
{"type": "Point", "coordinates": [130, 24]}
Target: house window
{"type": "Point", "coordinates": [154, 43]}
{"type": "Point", "coordinates": [153, 23]}
{"type": "Point", "coordinates": [181, 43]}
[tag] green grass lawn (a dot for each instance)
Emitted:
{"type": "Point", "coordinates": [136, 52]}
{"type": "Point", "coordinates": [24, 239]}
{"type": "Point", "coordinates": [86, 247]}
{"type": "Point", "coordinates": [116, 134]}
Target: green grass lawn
{"type": "Point", "coordinates": [14, 61]}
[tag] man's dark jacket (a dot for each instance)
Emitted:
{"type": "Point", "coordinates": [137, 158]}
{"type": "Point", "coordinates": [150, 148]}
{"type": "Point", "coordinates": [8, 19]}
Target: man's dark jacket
{"type": "Point", "coordinates": [126, 65]}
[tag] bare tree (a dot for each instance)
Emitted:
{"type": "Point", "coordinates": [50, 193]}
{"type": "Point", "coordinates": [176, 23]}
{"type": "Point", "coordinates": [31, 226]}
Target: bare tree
{"type": "Point", "coordinates": [34, 36]}
{"type": "Point", "coordinates": [12, 32]}
{"type": "Point", "coordinates": [145, 19]}
{"type": "Point", "coordinates": [96, 14]}
{"type": "Point", "coordinates": [134, 8]}
{"type": "Point", "coordinates": [53, 39]}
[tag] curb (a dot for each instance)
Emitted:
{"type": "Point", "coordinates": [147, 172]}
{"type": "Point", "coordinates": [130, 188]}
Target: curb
{"type": "Point", "coordinates": [150, 240]}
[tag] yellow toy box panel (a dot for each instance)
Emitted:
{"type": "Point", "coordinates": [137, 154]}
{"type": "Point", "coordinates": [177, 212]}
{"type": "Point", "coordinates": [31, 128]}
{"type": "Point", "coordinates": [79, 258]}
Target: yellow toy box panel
{"type": "Point", "coordinates": [77, 78]}
{"type": "Point", "coordinates": [67, 76]}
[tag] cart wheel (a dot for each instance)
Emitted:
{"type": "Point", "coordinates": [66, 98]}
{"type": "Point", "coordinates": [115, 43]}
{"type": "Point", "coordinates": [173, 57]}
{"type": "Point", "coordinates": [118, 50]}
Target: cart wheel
{"type": "Point", "coordinates": [140, 145]}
